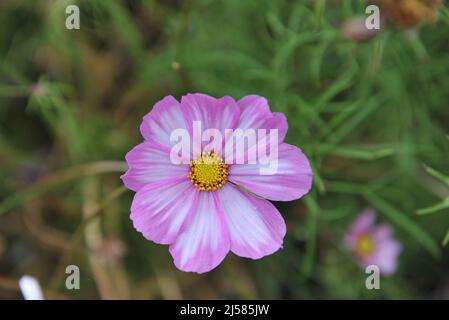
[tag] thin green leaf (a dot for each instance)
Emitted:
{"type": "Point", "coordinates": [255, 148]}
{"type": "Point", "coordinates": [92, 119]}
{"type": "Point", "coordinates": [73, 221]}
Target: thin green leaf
{"type": "Point", "coordinates": [446, 239]}
{"type": "Point", "coordinates": [437, 175]}
{"type": "Point", "coordinates": [438, 207]}
{"type": "Point", "coordinates": [404, 222]}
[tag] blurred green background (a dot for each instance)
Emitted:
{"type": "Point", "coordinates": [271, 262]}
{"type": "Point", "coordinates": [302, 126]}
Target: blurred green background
{"type": "Point", "coordinates": [368, 115]}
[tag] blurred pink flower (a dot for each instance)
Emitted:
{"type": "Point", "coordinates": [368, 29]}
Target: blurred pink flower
{"type": "Point", "coordinates": [373, 245]}
{"type": "Point", "coordinates": [355, 29]}
{"type": "Point", "coordinates": [199, 209]}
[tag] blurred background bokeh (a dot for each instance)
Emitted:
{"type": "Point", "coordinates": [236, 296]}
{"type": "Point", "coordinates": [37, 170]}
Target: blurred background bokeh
{"type": "Point", "coordinates": [372, 116]}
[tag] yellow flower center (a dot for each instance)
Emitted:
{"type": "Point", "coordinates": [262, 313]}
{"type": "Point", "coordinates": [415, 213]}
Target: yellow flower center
{"type": "Point", "coordinates": [364, 245]}
{"type": "Point", "coordinates": [208, 172]}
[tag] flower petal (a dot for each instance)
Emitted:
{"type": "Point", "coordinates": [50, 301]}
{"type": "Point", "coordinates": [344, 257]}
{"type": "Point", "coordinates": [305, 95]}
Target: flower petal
{"type": "Point", "coordinates": [161, 210]}
{"type": "Point", "coordinates": [205, 242]}
{"type": "Point", "coordinates": [382, 232]}
{"type": "Point", "coordinates": [256, 114]}
{"type": "Point", "coordinates": [149, 162]}
{"type": "Point", "coordinates": [386, 256]}
{"type": "Point", "coordinates": [256, 228]}
{"type": "Point", "coordinates": [363, 224]}
{"type": "Point", "coordinates": [219, 114]}
{"type": "Point", "coordinates": [165, 117]}
{"type": "Point", "coordinates": [256, 125]}
{"type": "Point", "coordinates": [387, 249]}
{"type": "Point", "coordinates": [292, 180]}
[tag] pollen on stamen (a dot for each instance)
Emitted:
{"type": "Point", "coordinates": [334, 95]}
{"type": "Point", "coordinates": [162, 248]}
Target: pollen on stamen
{"type": "Point", "coordinates": [365, 245]}
{"type": "Point", "coordinates": [208, 172]}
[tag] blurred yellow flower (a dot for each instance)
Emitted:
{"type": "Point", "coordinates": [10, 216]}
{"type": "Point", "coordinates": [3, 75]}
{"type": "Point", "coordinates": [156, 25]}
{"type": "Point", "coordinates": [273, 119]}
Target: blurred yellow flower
{"type": "Point", "coordinates": [409, 13]}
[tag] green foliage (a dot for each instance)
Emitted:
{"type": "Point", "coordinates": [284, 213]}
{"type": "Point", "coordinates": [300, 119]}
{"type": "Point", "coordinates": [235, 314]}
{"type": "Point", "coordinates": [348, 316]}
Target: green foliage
{"type": "Point", "coordinates": [367, 115]}
{"type": "Point", "coordinates": [444, 204]}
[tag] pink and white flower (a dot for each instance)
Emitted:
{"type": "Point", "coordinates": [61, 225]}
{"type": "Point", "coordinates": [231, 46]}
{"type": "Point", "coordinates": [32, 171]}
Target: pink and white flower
{"type": "Point", "coordinates": [373, 245]}
{"type": "Point", "coordinates": [200, 209]}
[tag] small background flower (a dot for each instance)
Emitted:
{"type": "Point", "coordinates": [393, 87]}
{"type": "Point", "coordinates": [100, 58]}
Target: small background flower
{"type": "Point", "coordinates": [409, 13]}
{"type": "Point", "coordinates": [406, 14]}
{"type": "Point", "coordinates": [373, 244]}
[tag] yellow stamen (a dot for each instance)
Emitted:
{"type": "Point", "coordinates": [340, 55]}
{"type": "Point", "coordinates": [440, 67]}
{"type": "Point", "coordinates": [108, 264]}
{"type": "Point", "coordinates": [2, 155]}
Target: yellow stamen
{"type": "Point", "coordinates": [208, 172]}
{"type": "Point", "coordinates": [364, 245]}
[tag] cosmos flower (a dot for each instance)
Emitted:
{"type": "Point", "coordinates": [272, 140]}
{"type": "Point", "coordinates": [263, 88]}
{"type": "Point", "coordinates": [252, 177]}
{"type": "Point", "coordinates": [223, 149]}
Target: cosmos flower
{"type": "Point", "coordinates": [208, 206]}
{"type": "Point", "coordinates": [373, 245]}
